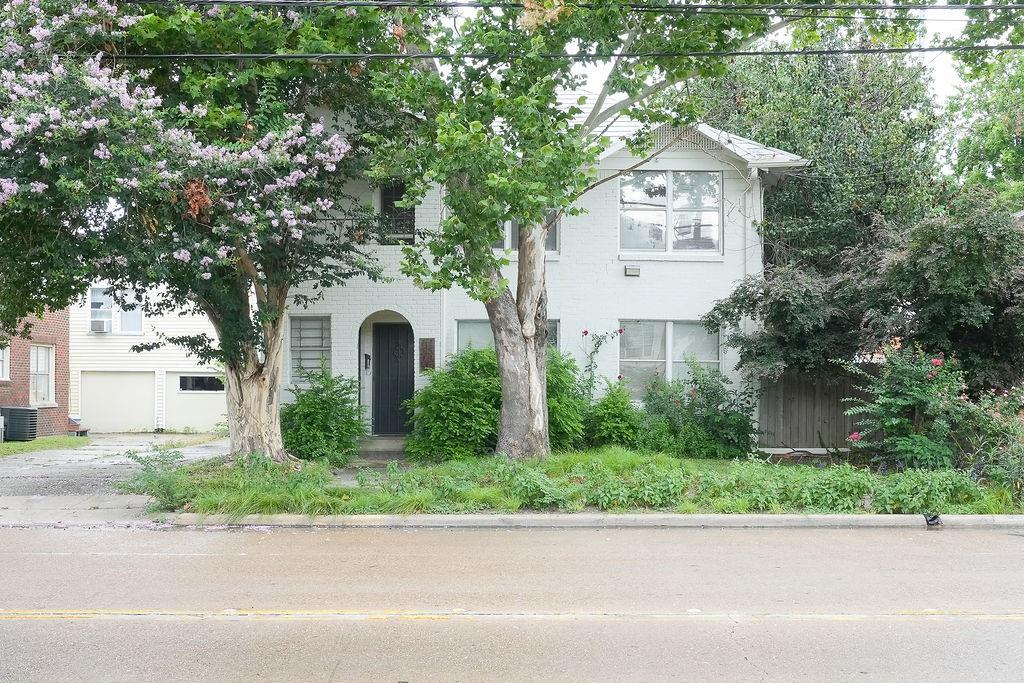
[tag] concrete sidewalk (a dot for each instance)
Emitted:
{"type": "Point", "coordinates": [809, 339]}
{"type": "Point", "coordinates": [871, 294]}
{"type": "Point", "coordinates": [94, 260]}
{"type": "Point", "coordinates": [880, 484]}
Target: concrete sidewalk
{"type": "Point", "coordinates": [74, 511]}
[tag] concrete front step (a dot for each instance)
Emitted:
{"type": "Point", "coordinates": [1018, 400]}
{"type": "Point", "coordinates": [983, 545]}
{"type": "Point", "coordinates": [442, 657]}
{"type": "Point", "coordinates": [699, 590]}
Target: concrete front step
{"type": "Point", "coordinates": [382, 444]}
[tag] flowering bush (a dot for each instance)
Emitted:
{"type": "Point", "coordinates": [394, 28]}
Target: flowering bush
{"type": "Point", "coordinates": [914, 404]}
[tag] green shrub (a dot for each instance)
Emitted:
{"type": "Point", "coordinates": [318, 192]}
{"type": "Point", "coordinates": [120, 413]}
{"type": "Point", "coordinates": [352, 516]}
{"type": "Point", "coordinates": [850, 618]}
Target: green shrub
{"type": "Point", "coordinates": [991, 445]}
{"type": "Point", "coordinates": [707, 418]}
{"type": "Point", "coordinates": [926, 491]}
{"type": "Point", "coordinates": [567, 403]}
{"type": "Point", "coordinates": [456, 415]}
{"type": "Point", "coordinates": [912, 409]}
{"type": "Point", "coordinates": [162, 477]}
{"type": "Point", "coordinates": [657, 435]}
{"type": "Point", "coordinates": [325, 420]}
{"type": "Point", "coordinates": [613, 419]}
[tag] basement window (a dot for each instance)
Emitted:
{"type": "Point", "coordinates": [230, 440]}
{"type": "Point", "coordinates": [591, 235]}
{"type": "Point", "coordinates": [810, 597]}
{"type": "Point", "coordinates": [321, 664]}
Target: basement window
{"type": "Point", "coordinates": [204, 383]}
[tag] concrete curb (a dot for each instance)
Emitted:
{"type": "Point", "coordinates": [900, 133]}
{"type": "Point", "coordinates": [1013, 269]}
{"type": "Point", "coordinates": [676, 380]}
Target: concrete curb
{"type": "Point", "coordinates": [596, 521]}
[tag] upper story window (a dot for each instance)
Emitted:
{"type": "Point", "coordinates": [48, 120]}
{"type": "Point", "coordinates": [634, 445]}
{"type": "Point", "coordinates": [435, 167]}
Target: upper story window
{"type": "Point", "coordinates": [311, 344]}
{"type": "Point", "coordinates": [131, 321]}
{"type": "Point", "coordinates": [5, 363]}
{"type": "Point", "coordinates": [399, 221]}
{"type": "Point", "coordinates": [644, 347]}
{"type": "Point", "coordinates": [671, 211]}
{"type": "Point", "coordinates": [478, 335]}
{"type": "Point", "coordinates": [511, 235]}
{"type": "Point", "coordinates": [40, 388]}
{"type": "Point", "coordinates": [101, 313]}
{"type": "Point", "coordinates": [101, 310]}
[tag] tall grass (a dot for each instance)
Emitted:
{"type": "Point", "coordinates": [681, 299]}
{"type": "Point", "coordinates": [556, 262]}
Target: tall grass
{"type": "Point", "coordinates": [611, 478]}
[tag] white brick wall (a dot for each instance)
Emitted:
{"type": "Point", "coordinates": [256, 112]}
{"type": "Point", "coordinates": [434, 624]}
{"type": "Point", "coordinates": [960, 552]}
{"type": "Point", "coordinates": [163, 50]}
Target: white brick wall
{"type": "Point", "coordinates": [587, 287]}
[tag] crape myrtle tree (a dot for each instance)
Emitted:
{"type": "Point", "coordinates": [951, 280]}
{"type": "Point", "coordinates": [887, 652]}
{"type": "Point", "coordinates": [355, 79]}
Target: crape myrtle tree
{"type": "Point", "coordinates": [214, 207]}
{"type": "Point", "coordinates": [489, 129]}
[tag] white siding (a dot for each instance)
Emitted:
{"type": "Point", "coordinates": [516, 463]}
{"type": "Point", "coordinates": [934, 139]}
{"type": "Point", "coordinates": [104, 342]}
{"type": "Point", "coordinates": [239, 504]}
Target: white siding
{"type": "Point", "coordinates": [111, 352]}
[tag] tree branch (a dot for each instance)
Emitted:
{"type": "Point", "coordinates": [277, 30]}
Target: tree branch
{"type": "Point", "coordinates": [593, 121]}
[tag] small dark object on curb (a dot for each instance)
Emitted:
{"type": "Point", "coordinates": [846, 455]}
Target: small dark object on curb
{"type": "Point", "coordinates": [933, 521]}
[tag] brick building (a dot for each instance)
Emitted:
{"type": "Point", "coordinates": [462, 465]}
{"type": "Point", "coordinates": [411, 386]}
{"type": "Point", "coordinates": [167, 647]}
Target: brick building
{"type": "Point", "coordinates": [656, 246]}
{"type": "Point", "coordinates": [34, 372]}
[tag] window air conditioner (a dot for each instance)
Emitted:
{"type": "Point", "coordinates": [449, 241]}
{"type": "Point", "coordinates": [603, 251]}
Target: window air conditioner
{"type": "Point", "coordinates": [101, 326]}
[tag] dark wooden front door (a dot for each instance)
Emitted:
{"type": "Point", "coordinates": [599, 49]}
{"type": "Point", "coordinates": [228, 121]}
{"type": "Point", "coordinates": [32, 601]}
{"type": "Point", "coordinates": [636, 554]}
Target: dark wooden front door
{"type": "Point", "coordinates": [392, 376]}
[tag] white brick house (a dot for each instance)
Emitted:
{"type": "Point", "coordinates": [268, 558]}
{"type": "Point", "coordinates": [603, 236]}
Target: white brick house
{"type": "Point", "coordinates": [652, 252]}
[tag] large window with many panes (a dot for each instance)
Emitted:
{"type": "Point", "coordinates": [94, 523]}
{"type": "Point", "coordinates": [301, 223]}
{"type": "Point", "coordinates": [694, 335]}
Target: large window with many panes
{"type": "Point", "coordinates": [671, 211]}
{"type": "Point", "coordinates": [659, 348]}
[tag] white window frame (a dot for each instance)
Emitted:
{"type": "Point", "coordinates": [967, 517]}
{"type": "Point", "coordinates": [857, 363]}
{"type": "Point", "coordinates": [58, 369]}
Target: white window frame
{"type": "Point", "coordinates": [669, 211]}
{"type": "Point", "coordinates": [137, 311]}
{"type": "Point", "coordinates": [199, 391]}
{"type": "Point", "coordinates": [669, 337]}
{"type": "Point", "coordinates": [109, 311]}
{"type": "Point", "coordinates": [5, 363]}
{"type": "Point", "coordinates": [325, 351]}
{"type": "Point", "coordinates": [458, 333]}
{"type": "Point", "coordinates": [114, 312]}
{"type": "Point", "coordinates": [51, 399]}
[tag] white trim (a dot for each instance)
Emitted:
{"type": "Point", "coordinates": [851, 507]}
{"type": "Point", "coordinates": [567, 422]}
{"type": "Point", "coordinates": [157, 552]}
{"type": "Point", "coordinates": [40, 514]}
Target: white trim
{"type": "Point", "coordinates": [669, 213]}
{"type": "Point", "coordinates": [52, 390]}
{"type": "Point", "coordinates": [5, 363]}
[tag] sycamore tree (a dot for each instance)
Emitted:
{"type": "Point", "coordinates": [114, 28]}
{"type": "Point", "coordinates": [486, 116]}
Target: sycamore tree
{"type": "Point", "coordinates": [213, 205]}
{"type": "Point", "coordinates": [488, 127]}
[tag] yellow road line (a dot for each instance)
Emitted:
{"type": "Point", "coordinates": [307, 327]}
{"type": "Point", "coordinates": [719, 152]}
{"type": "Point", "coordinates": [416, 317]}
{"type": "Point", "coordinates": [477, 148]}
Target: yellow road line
{"type": "Point", "coordinates": [410, 615]}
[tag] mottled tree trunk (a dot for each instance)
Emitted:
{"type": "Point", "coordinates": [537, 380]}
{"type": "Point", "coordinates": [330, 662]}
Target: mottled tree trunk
{"type": "Point", "coordinates": [253, 392]}
{"type": "Point", "coordinates": [520, 327]}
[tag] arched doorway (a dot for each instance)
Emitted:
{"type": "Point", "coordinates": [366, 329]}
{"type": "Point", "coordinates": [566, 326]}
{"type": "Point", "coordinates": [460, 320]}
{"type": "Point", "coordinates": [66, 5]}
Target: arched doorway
{"type": "Point", "coordinates": [387, 343]}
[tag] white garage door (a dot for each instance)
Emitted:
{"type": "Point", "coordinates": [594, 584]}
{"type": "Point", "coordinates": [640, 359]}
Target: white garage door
{"type": "Point", "coordinates": [118, 401]}
{"type": "Point", "coordinates": [193, 404]}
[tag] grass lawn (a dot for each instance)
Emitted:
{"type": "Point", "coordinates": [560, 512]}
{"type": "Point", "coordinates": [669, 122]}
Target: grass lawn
{"type": "Point", "coordinates": [611, 478]}
{"type": "Point", "coordinates": [43, 443]}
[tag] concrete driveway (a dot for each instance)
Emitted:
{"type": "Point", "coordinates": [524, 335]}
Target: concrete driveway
{"type": "Point", "coordinates": [92, 469]}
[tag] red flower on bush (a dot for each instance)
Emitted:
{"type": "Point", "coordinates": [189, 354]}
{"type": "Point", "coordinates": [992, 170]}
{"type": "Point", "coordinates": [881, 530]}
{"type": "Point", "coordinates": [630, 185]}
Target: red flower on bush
{"type": "Point", "coordinates": [854, 437]}
{"type": "Point", "coordinates": [937, 362]}
{"type": "Point", "coordinates": [586, 332]}
{"type": "Point", "coordinates": [620, 378]}
{"type": "Point", "coordinates": [621, 330]}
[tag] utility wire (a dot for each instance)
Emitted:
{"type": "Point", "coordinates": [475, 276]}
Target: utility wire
{"type": "Point", "coordinates": [445, 56]}
{"type": "Point", "coordinates": [636, 6]}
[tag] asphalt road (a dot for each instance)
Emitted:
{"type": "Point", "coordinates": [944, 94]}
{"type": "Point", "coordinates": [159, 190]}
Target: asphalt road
{"type": "Point", "coordinates": [412, 605]}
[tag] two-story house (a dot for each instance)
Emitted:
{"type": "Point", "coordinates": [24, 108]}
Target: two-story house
{"type": "Point", "coordinates": [115, 389]}
{"type": "Point", "coordinates": [657, 245]}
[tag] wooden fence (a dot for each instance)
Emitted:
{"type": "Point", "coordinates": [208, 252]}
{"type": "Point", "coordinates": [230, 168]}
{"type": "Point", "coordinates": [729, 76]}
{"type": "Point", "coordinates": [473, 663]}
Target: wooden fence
{"type": "Point", "coordinates": [802, 411]}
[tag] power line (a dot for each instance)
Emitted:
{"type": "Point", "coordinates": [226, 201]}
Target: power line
{"type": "Point", "coordinates": [636, 6]}
{"type": "Point", "coordinates": [445, 56]}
